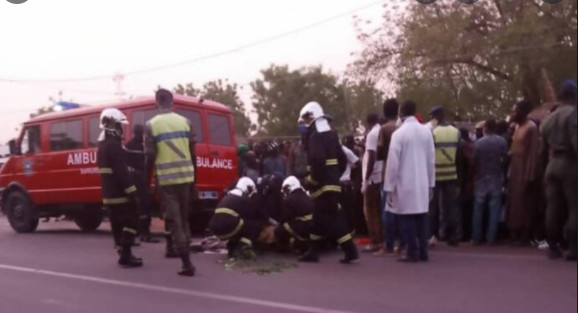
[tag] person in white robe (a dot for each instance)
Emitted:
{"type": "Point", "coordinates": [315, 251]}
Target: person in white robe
{"type": "Point", "coordinates": [410, 179]}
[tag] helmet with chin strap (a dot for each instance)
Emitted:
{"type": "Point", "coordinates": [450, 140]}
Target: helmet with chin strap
{"type": "Point", "coordinates": [311, 112]}
{"type": "Point", "coordinates": [112, 120]}
{"type": "Point", "coordinates": [290, 184]}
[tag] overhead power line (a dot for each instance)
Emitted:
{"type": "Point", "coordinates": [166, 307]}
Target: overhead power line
{"type": "Point", "coordinates": [201, 58]}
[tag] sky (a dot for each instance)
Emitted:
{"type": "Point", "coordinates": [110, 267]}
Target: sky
{"type": "Point", "coordinates": [51, 40]}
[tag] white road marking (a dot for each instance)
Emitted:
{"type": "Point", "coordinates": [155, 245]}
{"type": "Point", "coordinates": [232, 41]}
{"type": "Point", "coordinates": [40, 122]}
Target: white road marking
{"type": "Point", "coordinates": [198, 294]}
{"type": "Point", "coordinates": [481, 255]}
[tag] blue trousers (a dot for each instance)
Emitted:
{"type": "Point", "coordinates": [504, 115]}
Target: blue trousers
{"type": "Point", "coordinates": [493, 198]}
{"type": "Point", "coordinates": [392, 226]}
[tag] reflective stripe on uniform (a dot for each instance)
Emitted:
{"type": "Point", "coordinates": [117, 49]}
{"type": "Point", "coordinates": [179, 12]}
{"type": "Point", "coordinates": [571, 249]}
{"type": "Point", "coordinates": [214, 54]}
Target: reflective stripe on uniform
{"type": "Point", "coordinates": [129, 230]}
{"type": "Point", "coordinates": [305, 218]}
{"type": "Point", "coordinates": [234, 232]}
{"type": "Point", "coordinates": [324, 189]}
{"type": "Point", "coordinates": [226, 211]}
{"type": "Point", "coordinates": [315, 237]}
{"type": "Point", "coordinates": [175, 178]}
{"type": "Point", "coordinates": [290, 230]}
{"type": "Point", "coordinates": [331, 162]}
{"type": "Point", "coordinates": [177, 164]}
{"type": "Point", "coordinates": [247, 241]}
{"type": "Point", "coordinates": [172, 135]}
{"type": "Point", "coordinates": [344, 239]}
{"type": "Point", "coordinates": [105, 170]}
{"type": "Point", "coordinates": [130, 189]}
{"type": "Point", "coordinates": [115, 200]}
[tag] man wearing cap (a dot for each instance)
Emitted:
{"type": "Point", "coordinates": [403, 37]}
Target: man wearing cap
{"type": "Point", "coordinates": [559, 145]}
{"type": "Point", "coordinates": [446, 192]}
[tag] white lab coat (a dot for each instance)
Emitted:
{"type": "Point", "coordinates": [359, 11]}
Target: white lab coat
{"type": "Point", "coordinates": [410, 171]}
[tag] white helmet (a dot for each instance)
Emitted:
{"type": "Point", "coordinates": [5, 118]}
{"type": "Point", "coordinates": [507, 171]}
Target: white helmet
{"type": "Point", "coordinates": [245, 186]}
{"type": "Point", "coordinates": [310, 113]}
{"type": "Point", "coordinates": [112, 116]}
{"type": "Point", "coordinates": [290, 184]}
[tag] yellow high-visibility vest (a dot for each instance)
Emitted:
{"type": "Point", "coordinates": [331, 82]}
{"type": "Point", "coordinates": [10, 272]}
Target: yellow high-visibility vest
{"type": "Point", "coordinates": [447, 139]}
{"type": "Point", "coordinates": [173, 162]}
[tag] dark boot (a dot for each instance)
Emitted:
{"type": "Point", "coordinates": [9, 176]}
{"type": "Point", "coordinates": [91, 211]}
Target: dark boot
{"type": "Point", "coordinates": [350, 251]}
{"type": "Point", "coordinates": [188, 269]}
{"type": "Point", "coordinates": [312, 255]}
{"type": "Point", "coordinates": [128, 260]}
{"type": "Point", "coordinates": [232, 248]}
{"type": "Point", "coordinates": [554, 253]}
{"type": "Point", "coordinates": [571, 256]}
{"type": "Point", "coordinates": [170, 252]}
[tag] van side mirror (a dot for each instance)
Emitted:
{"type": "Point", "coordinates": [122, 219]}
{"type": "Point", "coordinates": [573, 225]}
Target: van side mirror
{"type": "Point", "coordinates": [14, 149]}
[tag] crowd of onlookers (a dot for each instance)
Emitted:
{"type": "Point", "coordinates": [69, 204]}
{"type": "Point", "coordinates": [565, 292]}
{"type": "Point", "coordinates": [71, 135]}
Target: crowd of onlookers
{"type": "Point", "coordinates": [489, 177]}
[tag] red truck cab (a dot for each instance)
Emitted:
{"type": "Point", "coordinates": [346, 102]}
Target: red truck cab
{"type": "Point", "coordinates": [53, 169]}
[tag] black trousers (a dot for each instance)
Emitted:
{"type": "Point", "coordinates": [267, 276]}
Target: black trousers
{"type": "Point", "coordinates": [145, 214]}
{"type": "Point", "coordinates": [296, 229]}
{"type": "Point", "coordinates": [415, 230]}
{"type": "Point", "coordinates": [445, 205]}
{"type": "Point", "coordinates": [235, 229]}
{"type": "Point", "coordinates": [347, 202]}
{"type": "Point", "coordinates": [124, 222]}
{"type": "Point", "coordinates": [329, 220]}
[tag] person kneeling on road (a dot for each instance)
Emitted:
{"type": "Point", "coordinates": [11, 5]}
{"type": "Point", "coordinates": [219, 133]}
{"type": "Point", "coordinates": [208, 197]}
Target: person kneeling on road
{"type": "Point", "coordinates": [297, 215]}
{"type": "Point", "coordinates": [119, 194]}
{"type": "Point", "coordinates": [238, 219]}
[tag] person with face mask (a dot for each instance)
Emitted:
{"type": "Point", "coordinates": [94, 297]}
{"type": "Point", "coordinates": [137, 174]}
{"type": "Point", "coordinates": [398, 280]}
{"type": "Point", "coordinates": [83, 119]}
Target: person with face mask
{"type": "Point", "coordinates": [119, 194]}
{"type": "Point", "coordinates": [326, 162]}
{"type": "Point", "coordinates": [239, 219]}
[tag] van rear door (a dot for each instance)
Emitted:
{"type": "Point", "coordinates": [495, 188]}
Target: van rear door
{"type": "Point", "coordinates": [221, 161]}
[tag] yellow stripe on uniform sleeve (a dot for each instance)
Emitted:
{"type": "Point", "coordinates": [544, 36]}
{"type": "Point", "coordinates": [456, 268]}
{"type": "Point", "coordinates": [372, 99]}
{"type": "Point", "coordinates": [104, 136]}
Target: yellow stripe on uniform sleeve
{"type": "Point", "coordinates": [130, 189]}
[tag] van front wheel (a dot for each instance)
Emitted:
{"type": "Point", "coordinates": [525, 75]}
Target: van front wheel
{"type": "Point", "coordinates": [88, 221]}
{"type": "Point", "coordinates": [21, 213]}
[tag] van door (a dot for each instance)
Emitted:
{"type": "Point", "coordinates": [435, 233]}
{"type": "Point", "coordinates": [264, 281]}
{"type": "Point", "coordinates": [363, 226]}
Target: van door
{"type": "Point", "coordinates": [195, 116]}
{"type": "Point", "coordinates": [30, 163]}
{"type": "Point", "coordinates": [221, 162]}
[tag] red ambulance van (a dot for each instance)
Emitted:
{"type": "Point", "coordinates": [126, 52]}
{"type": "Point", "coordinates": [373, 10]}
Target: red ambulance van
{"type": "Point", "coordinates": [53, 171]}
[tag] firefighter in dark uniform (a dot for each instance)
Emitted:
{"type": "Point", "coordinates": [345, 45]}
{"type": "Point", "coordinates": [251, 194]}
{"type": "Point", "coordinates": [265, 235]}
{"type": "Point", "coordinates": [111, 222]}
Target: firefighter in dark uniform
{"type": "Point", "coordinates": [119, 194]}
{"type": "Point", "coordinates": [326, 163]}
{"type": "Point", "coordinates": [238, 219]}
{"type": "Point", "coordinates": [561, 180]}
{"type": "Point", "coordinates": [297, 215]}
{"type": "Point", "coordinates": [136, 165]}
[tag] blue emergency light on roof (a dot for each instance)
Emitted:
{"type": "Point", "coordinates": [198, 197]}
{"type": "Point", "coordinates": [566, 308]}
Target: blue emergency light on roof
{"type": "Point", "coordinates": [63, 106]}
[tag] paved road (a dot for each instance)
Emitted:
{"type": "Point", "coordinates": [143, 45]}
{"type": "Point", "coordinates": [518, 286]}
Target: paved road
{"type": "Point", "coordinates": [59, 269]}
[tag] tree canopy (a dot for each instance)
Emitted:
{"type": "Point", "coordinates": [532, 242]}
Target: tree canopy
{"type": "Point", "coordinates": [476, 60]}
{"type": "Point", "coordinates": [280, 93]}
{"type": "Point", "coordinates": [224, 92]}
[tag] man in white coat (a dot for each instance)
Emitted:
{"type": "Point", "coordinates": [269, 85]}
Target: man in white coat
{"type": "Point", "coordinates": [410, 179]}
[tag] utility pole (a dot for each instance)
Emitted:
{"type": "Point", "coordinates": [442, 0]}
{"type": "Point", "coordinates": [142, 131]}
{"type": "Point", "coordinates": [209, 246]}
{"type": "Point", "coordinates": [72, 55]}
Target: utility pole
{"type": "Point", "coordinates": [118, 78]}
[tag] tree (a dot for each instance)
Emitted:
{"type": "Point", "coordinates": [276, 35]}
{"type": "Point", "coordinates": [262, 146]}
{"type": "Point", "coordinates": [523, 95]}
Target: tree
{"type": "Point", "coordinates": [281, 93]}
{"type": "Point", "coordinates": [475, 59]}
{"type": "Point", "coordinates": [226, 93]}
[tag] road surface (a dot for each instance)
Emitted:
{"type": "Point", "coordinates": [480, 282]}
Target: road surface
{"type": "Point", "coordinates": [59, 270]}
